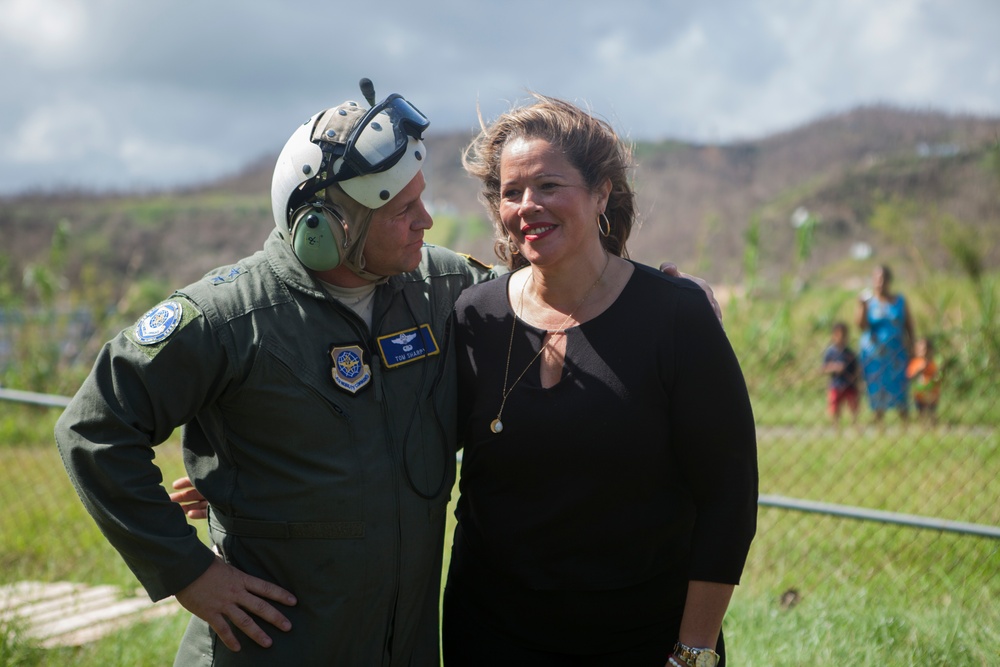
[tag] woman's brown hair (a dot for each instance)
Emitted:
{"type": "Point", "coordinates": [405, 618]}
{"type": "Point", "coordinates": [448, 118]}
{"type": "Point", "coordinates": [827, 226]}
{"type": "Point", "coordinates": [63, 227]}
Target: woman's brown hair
{"type": "Point", "coordinates": [590, 144]}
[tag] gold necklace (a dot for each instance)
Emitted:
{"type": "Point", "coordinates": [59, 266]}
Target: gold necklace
{"type": "Point", "coordinates": [497, 425]}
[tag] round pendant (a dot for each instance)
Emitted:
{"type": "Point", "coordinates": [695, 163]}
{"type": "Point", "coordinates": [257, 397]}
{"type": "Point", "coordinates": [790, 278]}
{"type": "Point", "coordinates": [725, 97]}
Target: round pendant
{"type": "Point", "coordinates": [496, 425]}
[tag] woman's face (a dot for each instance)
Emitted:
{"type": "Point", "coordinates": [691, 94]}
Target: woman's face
{"type": "Point", "coordinates": [880, 281]}
{"type": "Point", "coordinates": [545, 206]}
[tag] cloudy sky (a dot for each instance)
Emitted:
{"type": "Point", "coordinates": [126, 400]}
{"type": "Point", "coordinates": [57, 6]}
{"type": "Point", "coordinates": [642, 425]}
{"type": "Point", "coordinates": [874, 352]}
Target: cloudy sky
{"type": "Point", "coordinates": [117, 94]}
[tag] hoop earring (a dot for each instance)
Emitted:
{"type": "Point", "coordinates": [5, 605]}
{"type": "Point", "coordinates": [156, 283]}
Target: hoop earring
{"type": "Point", "coordinates": [605, 228]}
{"type": "Point", "coordinates": [512, 248]}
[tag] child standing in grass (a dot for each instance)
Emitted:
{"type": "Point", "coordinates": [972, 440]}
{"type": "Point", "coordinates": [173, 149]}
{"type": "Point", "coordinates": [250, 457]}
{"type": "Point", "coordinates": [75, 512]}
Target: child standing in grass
{"type": "Point", "coordinates": [841, 365]}
{"type": "Point", "coordinates": [925, 382]}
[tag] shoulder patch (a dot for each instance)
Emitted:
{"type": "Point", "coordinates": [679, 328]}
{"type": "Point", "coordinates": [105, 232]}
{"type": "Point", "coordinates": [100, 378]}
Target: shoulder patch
{"type": "Point", "coordinates": [475, 262]}
{"type": "Point", "coordinates": [158, 323]}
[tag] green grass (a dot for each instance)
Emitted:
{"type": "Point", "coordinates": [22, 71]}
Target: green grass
{"type": "Point", "coordinates": [909, 597]}
{"type": "Point", "coordinates": [46, 535]}
{"type": "Point", "coordinates": [856, 628]}
{"type": "Point", "coordinates": [150, 644]}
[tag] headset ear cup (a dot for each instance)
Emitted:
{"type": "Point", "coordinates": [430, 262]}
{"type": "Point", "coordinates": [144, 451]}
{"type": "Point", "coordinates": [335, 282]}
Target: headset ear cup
{"type": "Point", "coordinates": [317, 237]}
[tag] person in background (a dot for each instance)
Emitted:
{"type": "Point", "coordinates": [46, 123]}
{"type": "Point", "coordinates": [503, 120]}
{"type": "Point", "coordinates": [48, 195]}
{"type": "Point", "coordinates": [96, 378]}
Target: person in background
{"type": "Point", "coordinates": [925, 380]}
{"type": "Point", "coordinates": [886, 343]}
{"type": "Point", "coordinates": [605, 510]}
{"type": "Point", "coordinates": [840, 364]}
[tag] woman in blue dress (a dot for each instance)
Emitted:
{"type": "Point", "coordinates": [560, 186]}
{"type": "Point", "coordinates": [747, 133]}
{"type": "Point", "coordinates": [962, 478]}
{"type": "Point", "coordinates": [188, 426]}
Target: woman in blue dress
{"type": "Point", "coordinates": [886, 345]}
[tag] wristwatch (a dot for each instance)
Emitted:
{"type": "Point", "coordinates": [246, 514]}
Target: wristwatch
{"type": "Point", "coordinates": [696, 657]}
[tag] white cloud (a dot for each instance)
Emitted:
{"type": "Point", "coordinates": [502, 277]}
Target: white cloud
{"type": "Point", "coordinates": [221, 84]}
{"type": "Point", "coordinates": [144, 161]}
{"type": "Point", "coordinates": [52, 134]}
{"type": "Point", "coordinates": [884, 31]}
{"type": "Point", "coordinates": [46, 31]}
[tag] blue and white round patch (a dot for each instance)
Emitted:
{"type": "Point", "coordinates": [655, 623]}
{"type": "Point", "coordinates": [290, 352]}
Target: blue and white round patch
{"type": "Point", "coordinates": [157, 325]}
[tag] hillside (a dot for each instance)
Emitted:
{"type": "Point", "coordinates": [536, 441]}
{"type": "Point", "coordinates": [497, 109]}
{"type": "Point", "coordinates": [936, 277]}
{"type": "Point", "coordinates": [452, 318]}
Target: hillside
{"type": "Point", "coordinates": [907, 183]}
{"type": "Point", "coordinates": [699, 200]}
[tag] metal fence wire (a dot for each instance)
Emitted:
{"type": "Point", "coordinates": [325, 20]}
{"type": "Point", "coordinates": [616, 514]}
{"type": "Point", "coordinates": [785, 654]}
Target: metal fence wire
{"type": "Point", "coordinates": [901, 500]}
{"type": "Point", "coordinates": [899, 512]}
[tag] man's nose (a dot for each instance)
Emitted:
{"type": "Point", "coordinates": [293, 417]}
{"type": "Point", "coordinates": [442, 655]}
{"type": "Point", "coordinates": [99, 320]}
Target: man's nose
{"type": "Point", "coordinates": [423, 219]}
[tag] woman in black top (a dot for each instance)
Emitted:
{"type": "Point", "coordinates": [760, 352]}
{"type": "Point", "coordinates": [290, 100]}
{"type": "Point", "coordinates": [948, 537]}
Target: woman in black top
{"type": "Point", "coordinates": [609, 478]}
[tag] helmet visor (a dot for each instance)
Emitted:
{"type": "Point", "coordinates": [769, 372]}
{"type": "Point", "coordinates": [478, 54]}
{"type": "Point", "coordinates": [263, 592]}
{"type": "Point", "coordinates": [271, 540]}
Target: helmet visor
{"type": "Point", "coordinates": [379, 139]}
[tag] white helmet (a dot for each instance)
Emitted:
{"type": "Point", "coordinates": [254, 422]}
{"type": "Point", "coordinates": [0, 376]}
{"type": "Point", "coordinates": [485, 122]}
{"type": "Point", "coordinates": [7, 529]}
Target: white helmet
{"type": "Point", "coordinates": [371, 154]}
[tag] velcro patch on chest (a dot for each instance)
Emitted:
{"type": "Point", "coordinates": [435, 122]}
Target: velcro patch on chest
{"type": "Point", "coordinates": [348, 368]}
{"type": "Point", "coordinates": [407, 346]}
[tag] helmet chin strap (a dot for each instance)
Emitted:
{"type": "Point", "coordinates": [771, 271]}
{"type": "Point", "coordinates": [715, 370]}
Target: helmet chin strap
{"type": "Point", "coordinates": [355, 257]}
{"type": "Point", "coordinates": [367, 275]}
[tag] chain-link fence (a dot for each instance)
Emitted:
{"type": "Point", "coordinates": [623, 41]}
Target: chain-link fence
{"type": "Point", "coordinates": [897, 507]}
{"type": "Point", "coordinates": [893, 514]}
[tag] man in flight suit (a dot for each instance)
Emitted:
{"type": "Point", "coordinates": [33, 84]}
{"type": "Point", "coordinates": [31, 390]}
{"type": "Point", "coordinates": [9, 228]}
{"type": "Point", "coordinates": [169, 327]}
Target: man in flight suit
{"type": "Point", "coordinates": [315, 385]}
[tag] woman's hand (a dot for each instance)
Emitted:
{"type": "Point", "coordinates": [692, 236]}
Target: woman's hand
{"type": "Point", "coordinates": [189, 498]}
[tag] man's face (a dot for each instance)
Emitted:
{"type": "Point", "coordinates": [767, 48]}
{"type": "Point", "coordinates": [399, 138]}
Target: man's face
{"type": "Point", "coordinates": [397, 232]}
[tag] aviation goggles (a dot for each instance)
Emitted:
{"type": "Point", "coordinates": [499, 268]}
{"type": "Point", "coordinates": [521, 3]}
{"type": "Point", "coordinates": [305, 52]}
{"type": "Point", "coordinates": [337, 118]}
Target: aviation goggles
{"type": "Point", "coordinates": [373, 147]}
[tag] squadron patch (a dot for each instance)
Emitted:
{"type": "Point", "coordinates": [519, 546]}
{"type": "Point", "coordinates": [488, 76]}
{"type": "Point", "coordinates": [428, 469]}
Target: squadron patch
{"type": "Point", "coordinates": [350, 372]}
{"type": "Point", "coordinates": [158, 324]}
{"type": "Point", "coordinates": [406, 346]}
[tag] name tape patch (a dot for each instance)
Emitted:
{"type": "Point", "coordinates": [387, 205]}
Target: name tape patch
{"type": "Point", "coordinates": [407, 346]}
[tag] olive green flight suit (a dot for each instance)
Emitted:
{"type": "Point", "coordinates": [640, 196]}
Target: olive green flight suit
{"type": "Point", "coordinates": [326, 452]}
